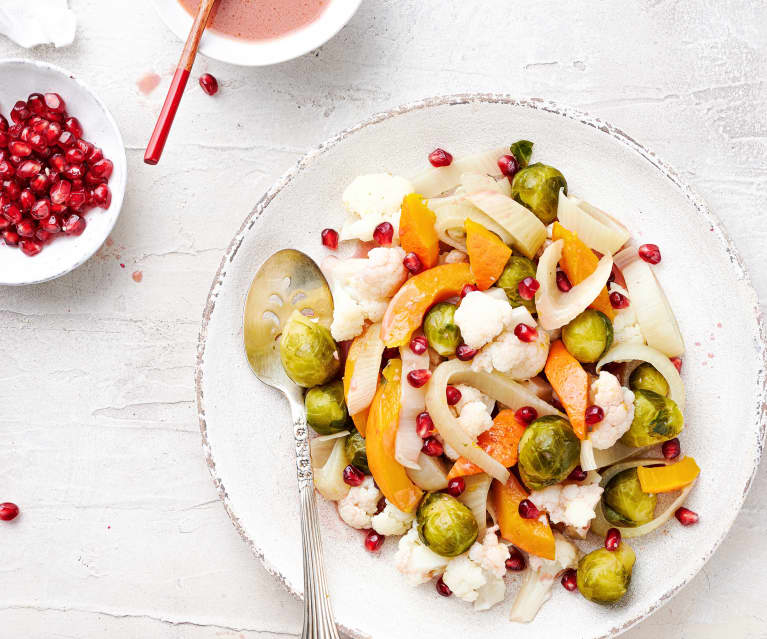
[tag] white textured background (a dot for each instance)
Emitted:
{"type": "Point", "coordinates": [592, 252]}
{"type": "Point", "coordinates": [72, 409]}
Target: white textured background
{"type": "Point", "coordinates": [122, 534]}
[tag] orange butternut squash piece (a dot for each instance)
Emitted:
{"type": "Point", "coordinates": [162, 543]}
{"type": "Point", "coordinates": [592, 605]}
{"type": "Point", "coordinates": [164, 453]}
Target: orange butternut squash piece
{"type": "Point", "coordinates": [487, 254]}
{"type": "Point", "coordinates": [416, 230]}
{"type": "Point", "coordinates": [666, 479]}
{"type": "Point", "coordinates": [571, 384]}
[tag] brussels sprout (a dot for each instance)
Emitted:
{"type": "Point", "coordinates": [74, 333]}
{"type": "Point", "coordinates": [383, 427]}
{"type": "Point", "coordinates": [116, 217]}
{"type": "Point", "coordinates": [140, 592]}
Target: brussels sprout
{"type": "Point", "coordinates": [517, 269]}
{"type": "Point", "coordinates": [356, 452]}
{"type": "Point", "coordinates": [522, 150]}
{"type": "Point", "coordinates": [548, 452]}
{"type": "Point", "coordinates": [625, 503]}
{"type": "Point", "coordinates": [604, 575]}
{"type": "Point", "coordinates": [647, 377]}
{"type": "Point", "coordinates": [441, 330]}
{"type": "Point", "coordinates": [537, 187]}
{"type": "Point", "coordinates": [588, 336]}
{"type": "Point", "coordinates": [308, 352]}
{"type": "Point", "coordinates": [326, 409]}
{"type": "Point", "coordinates": [656, 419]}
{"type": "Point", "coordinates": [445, 525]}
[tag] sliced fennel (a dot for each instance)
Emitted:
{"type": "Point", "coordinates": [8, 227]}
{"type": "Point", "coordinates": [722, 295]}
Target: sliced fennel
{"type": "Point", "coordinates": [451, 217]}
{"type": "Point", "coordinates": [600, 525]}
{"type": "Point", "coordinates": [555, 308]}
{"type": "Point", "coordinates": [434, 181]}
{"type": "Point", "coordinates": [473, 182]}
{"type": "Point", "coordinates": [364, 364]}
{"type": "Point", "coordinates": [408, 444]}
{"type": "Point", "coordinates": [328, 463]}
{"type": "Point", "coordinates": [474, 497]}
{"type": "Point", "coordinates": [594, 227]}
{"type": "Point", "coordinates": [653, 311]}
{"type": "Point", "coordinates": [594, 458]}
{"type": "Point", "coordinates": [431, 474]}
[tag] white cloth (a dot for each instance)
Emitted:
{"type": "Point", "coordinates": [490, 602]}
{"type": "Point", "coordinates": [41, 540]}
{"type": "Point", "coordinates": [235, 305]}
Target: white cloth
{"type": "Point", "coordinates": [33, 22]}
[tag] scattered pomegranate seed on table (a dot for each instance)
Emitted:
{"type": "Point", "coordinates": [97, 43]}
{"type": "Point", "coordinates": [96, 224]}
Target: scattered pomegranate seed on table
{"type": "Point", "coordinates": [419, 344]}
{"type": "Point", "coordinates": [453, 395]}
{"type": "Point", "coordinates": [525, 333]}
{"type": "Point", "coordinates": [8, 511]}
{"type": "Point", "coordinates": [508, 165]}
{"type": "Point", "coordinates": [578, 474]}
{"type": "Point", "coordinates": [456, 486]}
{"type": "Point", "coordinates": [440, 157]}
{"type": "Point", "coordinates": [465, 352]}
{"type": "Point", "coordinates": [594, 415]}
{"type": "Point", "coordinates": [563, 283]}
{"type": "Point", "coordinates": [413, 263]}
{"type": "Point", "coordinates": [209, 84]}
{"type": "Point", "coordinates": [330, 238]}
{"type": "Point", "coordinates": [516, 561]}
{"type": "Point", "coordinates": [527, 288]}
{"type": "Point", "coordinates": [442, 588]}
{"type": "Point", "coordinates": [418, 377]}
{"type": "Point", "coordinates": [468, 288]}
{"type": "Point", "coordinates": [374, 541]}
{"type": "Point", "coordinates": [569, 580]}
{"type": "Point", "coordinates": [432, 447]}
{"type": "Point", "coordinates": [353, 476]}
{"type": "Point", "coordinates": [677, 361]}
{"type": "Point", "coordinates": [613, 539]}
{"type": "Point", "coordinates": [383, 233]}
{"type": "Point", "coordinates": [686, 517]}
{"type": "Point", "coordinates": [650, 253]}
{"type": "Point", "coordinates": [619, 300]}
{"type": "Point", "coordinates": [526, 414]}
{"type": "Point", "coordinates": [671, 448]}
{"type": "Point", "coordinates": [424, 425]}
{"type": "Point", "coordinates": [528, 510]}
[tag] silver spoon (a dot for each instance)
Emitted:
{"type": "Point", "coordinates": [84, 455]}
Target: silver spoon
{"type": "Point", "coordinates": [287, 281]}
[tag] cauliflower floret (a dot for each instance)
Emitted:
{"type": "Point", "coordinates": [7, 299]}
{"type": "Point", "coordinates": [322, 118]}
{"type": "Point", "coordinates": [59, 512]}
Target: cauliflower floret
{"type": "Point", "coordinates": [362, 288]}
{"type": "Point", "coordinates": [625, 325]}
{"type": "Point", "coordinates": [417, 562]}
{"type": "Point", "coordinates": [509, 354]}
{"type": "Point", "coordinates": [617, 402]}
{"type": "Point", "coordinates": [570, 504]}
{"type": "Point", "coordinates": [453, 257]}
{"type": "Point", "coordinates": [473, 411]}
{"type": "Point", "coordinates": [371, 200]}
{"type": "Point", "coordinates": [490, 554]}
{"type": "Point", "coordinates": [392, 521]}
{"type": "Point", "coordinates": [470, 394]}
{"type": "Point", "coordinates": [360, 504]}
{"type": "Point", "coordinates": [464, 578]}
{"type": "Point", "coordinates": [565, 556]}
{"type": "Point", "coordinates": [481, 317]}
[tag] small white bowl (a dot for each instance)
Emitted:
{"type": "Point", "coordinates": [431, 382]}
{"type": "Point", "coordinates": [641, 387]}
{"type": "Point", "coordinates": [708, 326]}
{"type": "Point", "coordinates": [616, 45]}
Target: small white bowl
{"type": "Point", "coordinates": [19, 78]}
{"type": "Point", "coordinates": [262, 52]}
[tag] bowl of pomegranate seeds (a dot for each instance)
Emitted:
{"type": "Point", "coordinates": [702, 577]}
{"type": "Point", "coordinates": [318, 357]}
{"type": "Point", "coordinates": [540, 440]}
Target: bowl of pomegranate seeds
{"type": "Point", "coordinates": [62, 172]}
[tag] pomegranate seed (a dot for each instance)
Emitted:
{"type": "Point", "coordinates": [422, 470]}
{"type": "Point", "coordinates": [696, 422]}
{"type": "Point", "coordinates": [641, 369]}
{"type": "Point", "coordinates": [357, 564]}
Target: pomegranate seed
{"type": "Point", "coordinates": [38, 145]}
{"type": "Point", "coordinates": [209, 84]}
{"type": "Point", "coordinates": [4, 139]}
{"type": "Point", "coordinates": [413, 263]}
{"type": "Point", "coordinates": [508, 165]}
{"type": "Point", "coordinates": [455, 486]}
{"type": "Point", "coordinates": [6, 170]}
{"type": "Point", "coordinates": [4, 223]}
{"type": "Point", "coordinates": [442, 588]}
{"type": "Point", "coordinates": [86, 147]}
{"type": "Point", "coordinates": [20, 112]}
{"type": "Point", "coordinates": [424, 425]}
{"type": "Point", "coordinates": [94, 156]}
{"type": "Point", "coordinates": [13, 213]}
{"type": "Point", "coordinates": [677, 361]}
{"type": "Point", "coordinates": [40, 125]}
{"type": "Point", "coordinates": [619, 300]}
{"type": "Point", "coordinates": [60, 192]}
{"type": "Point", "coordinates": [93, 180]}
{"type": "Point", "coordinates": [527, 288]}
{"type": "Point", "coordinates": [22, 149]}
{"type": "Point", "coordinates": [528, 510]}
{"type": "Point", "coordinates": [73, 225]}
{"type": "Point", "coordinates": [453, 395]}
{"type": "Point", "coordinates": [418, 377]}
{"type": "Point", "coordinates": [465, 352]}
{"type": "Point", "coordinates": [383, 233]}
{"type": "Point", "coordinates": [432, 447]}
{"type": "Point", "coordinates": [12, 190]}
{"type": "Point", "coordinates": [578, 474]}
{"type": "Point", "coordinates": [594, 415]}
{"type": "Point", "coordinates": [26, 228]}
{"type": "Point", "coordinates": [58, 162]}
{"type": "Point", "coordinates": [516, 561]}
{"type": "Point", "coordinates": [54, 102]}
{"type": "Point", "coordinates": [15, 131]}
{"type": "Point", "coordinates": [525, 333]}
{"type": "Point", "coordinates": [419, 344]}
{"type": "Point", "coordinates": [570, 580]}
{"type": "Point", "coordinates": [52, 223]}
{"type": "Point", "coordinates": [686, 516]}
{"type": "Point", "coordinates": [26, 199]}
{"type": "Point", "coordinates": [74, 172]}
{"type": "Point", "coordinates": [74, 127]}
{"type": "Point", "coordinates": [468, 288]}
{"type": "Point", "coordinates": [15, 160]}
{"type": "Point", "coordinates": [102, 196]}
{"type": "Point", "coordinates": [374, 541]}
{"type": "Point", "coordinates": [39, 183]}
{"type": "Point", "coordinates": [74, 156]}
{"type": "Point", "coordinates": [526, 414]}
{"type": "Point", "coordinates": [330, 238]}
{"type": "Point", "coordinates": [66, 140]}
{"type": "Point", "coordinates": [36, 103]}
{"type": "Point", "coordinates": [29, 169]}
{"type": "Point", "coordinates": [650, 253]}
{"type": "Point", "coordinates": [42, 235]}
{"type": "Point", "coordinates": [563, 283]}
{"type": "Point", "coordinates": [52, 133]}
{"type": "Point", "coordinates": [353, 475]}
{"type": "Point", "coordinates": [58, 209]}
{"type": "Point", "coordinates": [671, 448]}
{"type": "Point", "coordinates": [11, 238]}
{"type": "Point", "coordinates": [3, 124]}
{"type": "Point", "coordinates": [613, 539]}
{"type": "Point", "coordinates": [77, 200]}
{"type": "Point", "coordinates": [30, 247]}
{"type": "Point", "coordinates": [440, 157]}
{"type": "Point", "coordinates": [103, 169]}
{"type": "Point", "coordinates": [8, 511]}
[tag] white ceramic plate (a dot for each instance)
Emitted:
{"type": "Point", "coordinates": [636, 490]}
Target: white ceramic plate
{"type": "Point", "coordinates": [246, 427]}
{"type": "Point", "coordinates": [263, 52]}
{"type": "Point", "coordinates": [19, 78]}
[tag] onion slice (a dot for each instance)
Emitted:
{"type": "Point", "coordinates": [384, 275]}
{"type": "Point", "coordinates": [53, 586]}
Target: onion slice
{"type": "Point", "coordinates": [527, 231]}
{"type": "Point", "coordinates": [555, 308]}
{"type": "Point", "coordinates": [363, 364]}
{"type": "Point", "coordinates": [451, 217]}
{"type": "Point", "coordinates": [434, 181]}
{"type": "Point", "coordinates": [474, 497]}
{"type": "Point", "coordinates": [408, 444]}
{"type": "Point", "coordinates": [600, 525]}
{"type": "Point", "coordinates": [328, 455]}
{"type": "Point", "coordinates": [597, 229]}
{"type": "Point", "coordinates": [628, 352]}
{"type": "Point", "coordinates": [654, 314]}
{"type": "Point", "coordinates": [431, 474]}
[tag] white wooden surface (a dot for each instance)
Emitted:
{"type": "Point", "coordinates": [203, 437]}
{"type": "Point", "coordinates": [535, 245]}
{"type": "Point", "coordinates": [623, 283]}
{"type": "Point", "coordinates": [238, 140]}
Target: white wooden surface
{"type": "Point", "coordinates": [122, 534]}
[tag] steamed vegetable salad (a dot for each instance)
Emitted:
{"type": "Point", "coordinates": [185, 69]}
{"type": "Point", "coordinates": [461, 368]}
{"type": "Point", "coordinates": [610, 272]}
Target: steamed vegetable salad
{"type": "Point", "coordinates": [512, 362]}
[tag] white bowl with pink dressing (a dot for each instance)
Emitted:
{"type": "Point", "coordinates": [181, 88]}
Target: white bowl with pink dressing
{"type": "Point", "coordinates": [246, 33]}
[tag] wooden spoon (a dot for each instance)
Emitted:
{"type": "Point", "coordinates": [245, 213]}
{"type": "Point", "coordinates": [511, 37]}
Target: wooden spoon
{"type": "Point", "coordinates": [180, 77]}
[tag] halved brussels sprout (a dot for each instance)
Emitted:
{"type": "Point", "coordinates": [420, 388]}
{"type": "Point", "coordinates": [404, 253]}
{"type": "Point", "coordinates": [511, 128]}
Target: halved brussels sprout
{"type": "Point", "coordinates": [517, 269]}
{"type": "Point", "coordinates": [308, 352]}
{"type": "Point", "coordinates": [588, 336]}
{"type": "Point", "coordinates": [326, 409]}
{"type": "Point", "coordinates": [604, 575]}
{"type": "Point", "coordinates": [548, 452]}
{"type": "Point", "coordinates": [537, 187]}
{"type": "Point", "coordinates": [624, 502]}
{"type": "Point", "coordinates": [646, 377]}
{"type": "Point", "coordinates": [356, 452]}
{"type": "Point", "coordinates": [445, 525]}
{"type": "Point", "coordinates": [656, 419]}
{"type": "Point", "coordinates": [441, 330]}
{"type": "Point", "coordinates": [522, 150]}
